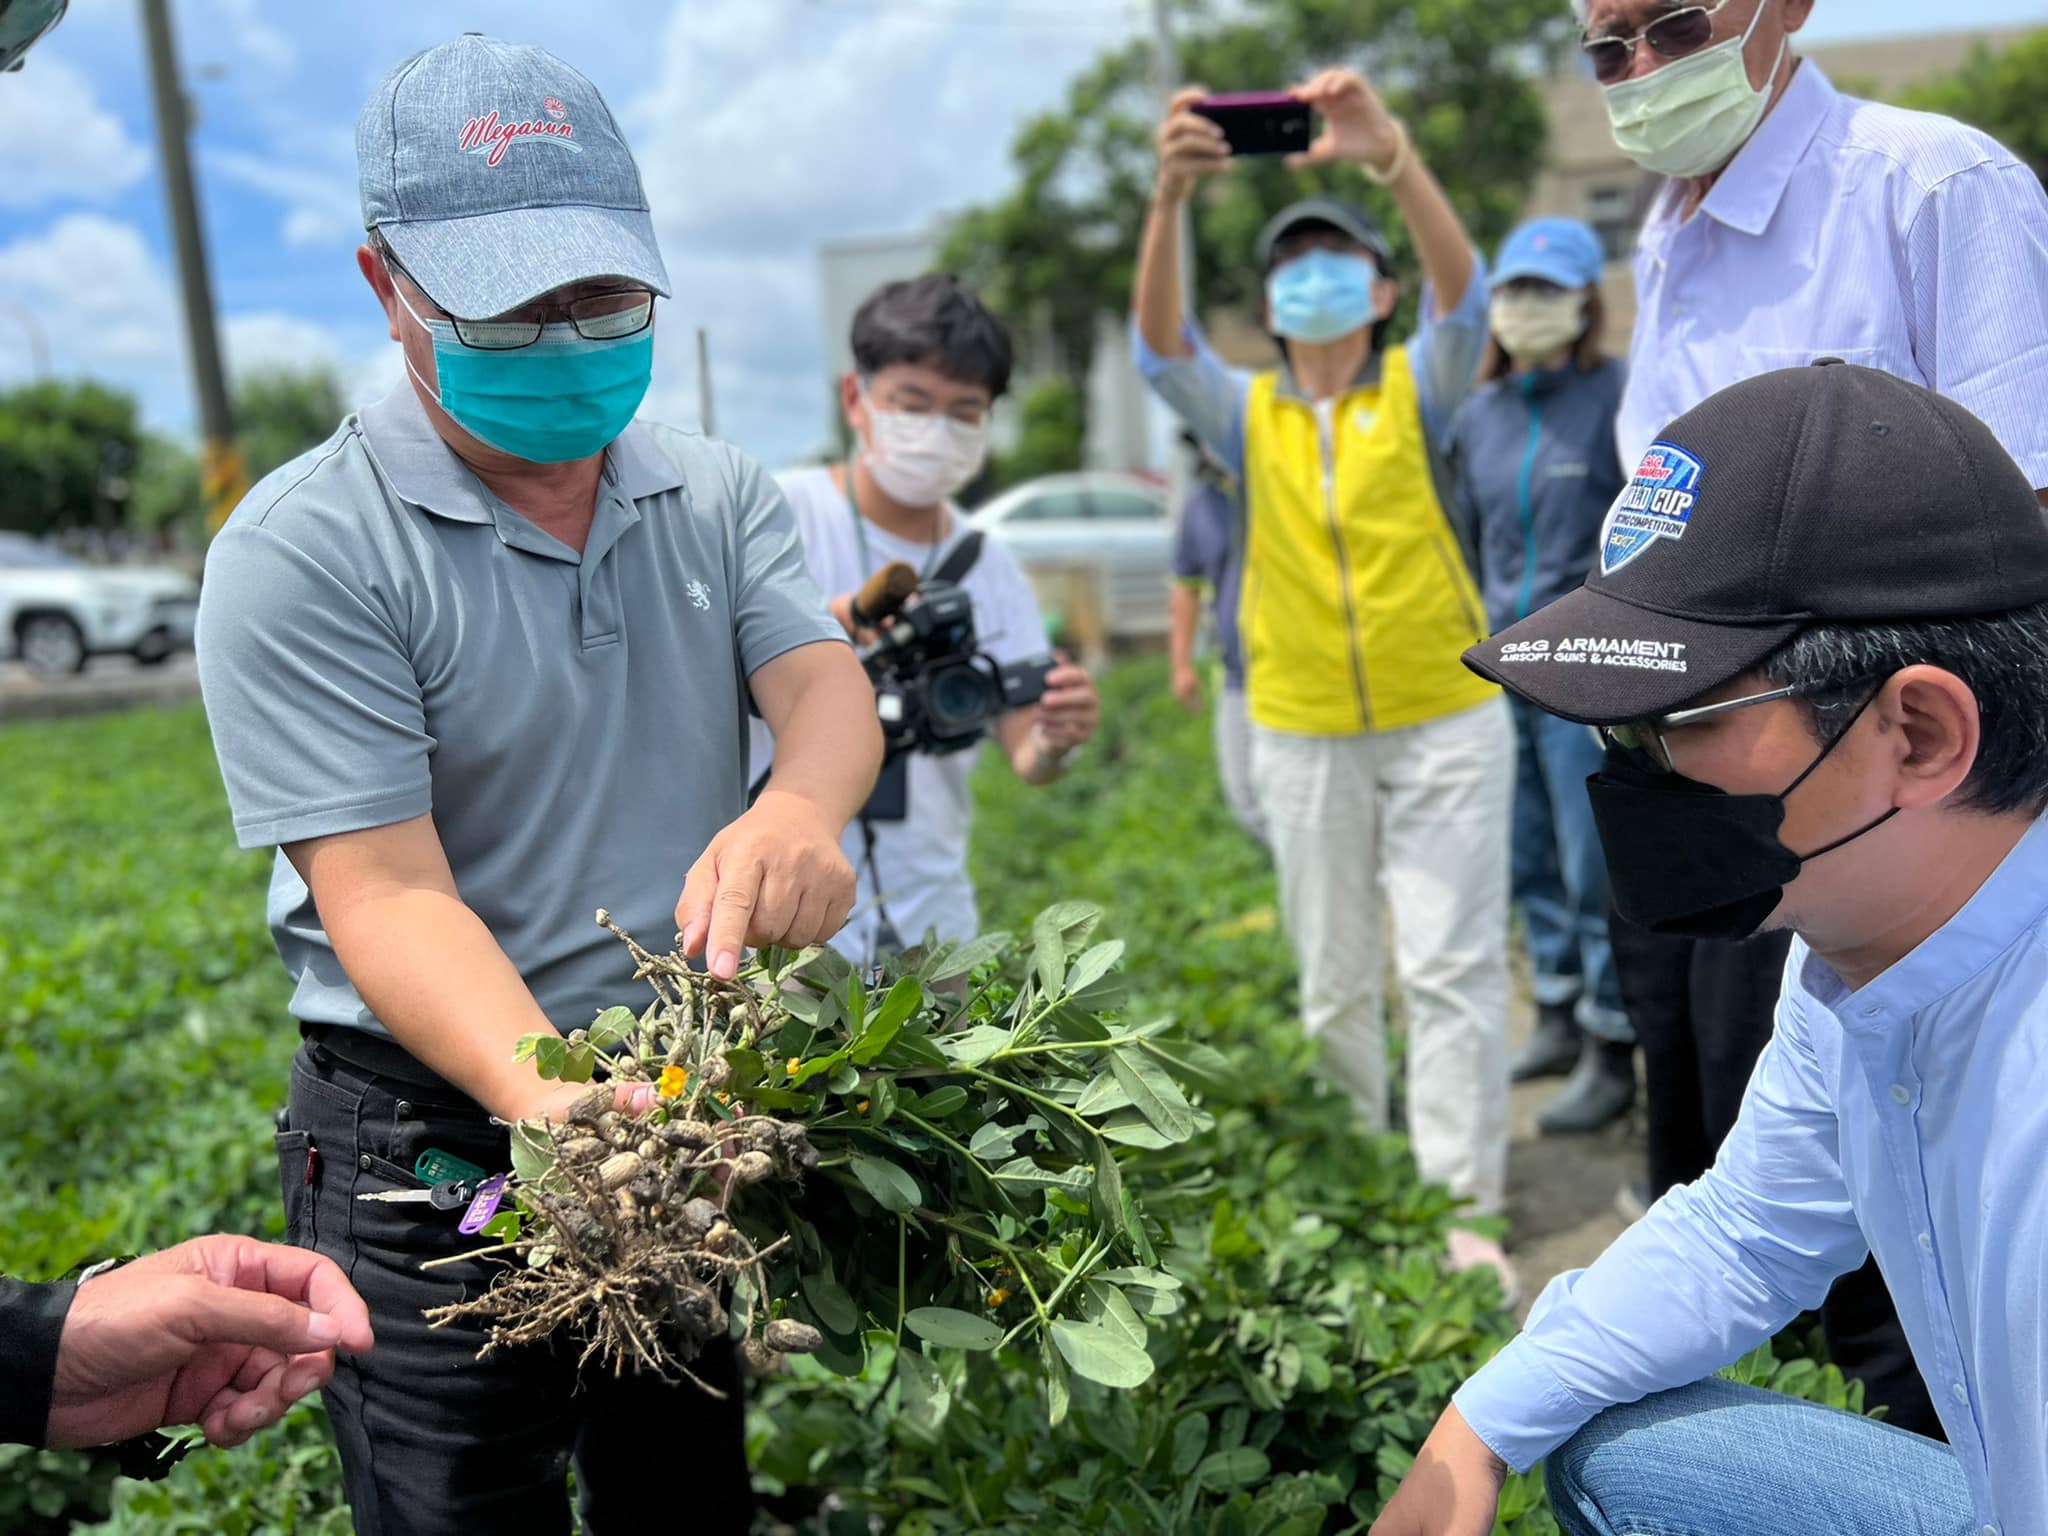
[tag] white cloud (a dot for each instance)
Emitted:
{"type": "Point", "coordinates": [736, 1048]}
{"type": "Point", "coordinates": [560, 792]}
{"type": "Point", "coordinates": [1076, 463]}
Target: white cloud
{"type": "Point", "coordinates": [757, 143]}
{"type": "Point", "coordinates": [61, 143]}
{"type": "Point", "coordinates": [108, 310]}
{"type": "Point", "coordinates": [321, 206]}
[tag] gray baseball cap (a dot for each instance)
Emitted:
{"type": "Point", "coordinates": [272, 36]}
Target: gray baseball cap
{"type": "Point", "coordinates": [1346, 218]}
{"type": "Point", "coordinates": [496, 174]}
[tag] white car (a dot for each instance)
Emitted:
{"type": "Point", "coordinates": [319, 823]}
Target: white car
{"type": "Point", "coordinates": [1115, 524]}
{"type": "Point", "coordinates": [57, 611]}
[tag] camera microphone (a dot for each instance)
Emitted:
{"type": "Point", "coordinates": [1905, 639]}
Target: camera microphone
{"type": "Point", "coordinates": [883, 594]}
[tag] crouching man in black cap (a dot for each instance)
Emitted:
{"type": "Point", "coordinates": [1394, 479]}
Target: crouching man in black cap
{"type": "Point", "coordinates": [1817, 648]}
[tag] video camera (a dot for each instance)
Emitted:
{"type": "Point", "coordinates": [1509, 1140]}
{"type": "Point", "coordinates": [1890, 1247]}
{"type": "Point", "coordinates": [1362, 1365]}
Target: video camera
{"type": "Point", "coordinates": [936, 691]}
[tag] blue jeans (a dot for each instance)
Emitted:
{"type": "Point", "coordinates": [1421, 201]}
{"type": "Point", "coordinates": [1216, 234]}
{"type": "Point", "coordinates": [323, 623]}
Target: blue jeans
{"type": "Point", "coordinates": [1716, 1459]}
{"type": "Point", "coordinates": [1560, 874]}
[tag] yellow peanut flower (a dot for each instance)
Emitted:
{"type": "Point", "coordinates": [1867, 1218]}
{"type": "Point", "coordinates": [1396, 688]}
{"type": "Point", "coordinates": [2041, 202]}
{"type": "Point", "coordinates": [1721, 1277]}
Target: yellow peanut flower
{"type": "Point", "coordinates": [675, 1082]}
{"type": "Point", "coordinates": [997, 1297]}
{"type": "Point", "coordinates": [863, 1105]}
{"type": "Point", "coordinates": [792, 1065]}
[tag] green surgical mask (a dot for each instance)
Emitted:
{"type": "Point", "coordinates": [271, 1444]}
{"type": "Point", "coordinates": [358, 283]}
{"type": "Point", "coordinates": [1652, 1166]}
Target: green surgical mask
{"type": "Point", "coordinates": [1692, 116]}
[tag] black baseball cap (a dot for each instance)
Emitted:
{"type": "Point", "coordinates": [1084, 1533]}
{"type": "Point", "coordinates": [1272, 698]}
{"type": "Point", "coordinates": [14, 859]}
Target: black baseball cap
{"type": "Point", "coordinates": [1824, 494]}
{"type": "Point", "coordinates": [1346, 218]}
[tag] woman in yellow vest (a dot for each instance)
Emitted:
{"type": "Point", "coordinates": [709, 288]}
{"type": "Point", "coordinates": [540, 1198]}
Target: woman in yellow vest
{"type": "Point", "coordinates": [1380, 762]}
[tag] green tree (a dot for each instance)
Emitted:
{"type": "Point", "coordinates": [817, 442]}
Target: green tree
{"type": "Point", "coordinates": [1050, 435]}
{"type": "Point", "coordinates": [66, 450]}
{"type": "Point", "coordinates": [2001, 92]}
{"type": "Point", "coordinates": [1057, 251]}
{"type": "Point", "coordinates": [281, 412]}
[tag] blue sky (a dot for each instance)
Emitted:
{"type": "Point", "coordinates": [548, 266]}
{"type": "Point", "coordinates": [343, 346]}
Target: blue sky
{"type": "Point", "coordinates": [762, 127]}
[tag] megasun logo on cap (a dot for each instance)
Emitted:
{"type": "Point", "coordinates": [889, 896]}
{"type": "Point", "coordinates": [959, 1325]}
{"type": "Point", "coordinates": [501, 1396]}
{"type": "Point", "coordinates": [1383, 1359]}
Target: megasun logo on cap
{"type": "Point", "coordinates": [490, 135]}
{"type": "Point", "coordinates": [1654, 505]}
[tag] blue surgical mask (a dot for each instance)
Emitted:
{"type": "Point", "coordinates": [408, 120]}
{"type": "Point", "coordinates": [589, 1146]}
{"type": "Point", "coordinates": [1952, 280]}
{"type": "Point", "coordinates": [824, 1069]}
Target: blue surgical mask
{"type": "Point", "coordinates": [565, 397]}
{"type": "Point", "coordinates": [1321, 295]}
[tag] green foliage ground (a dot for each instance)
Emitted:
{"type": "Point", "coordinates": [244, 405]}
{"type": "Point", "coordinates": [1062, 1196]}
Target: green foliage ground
{"type": "Point", "coordinates": [145, 1046]}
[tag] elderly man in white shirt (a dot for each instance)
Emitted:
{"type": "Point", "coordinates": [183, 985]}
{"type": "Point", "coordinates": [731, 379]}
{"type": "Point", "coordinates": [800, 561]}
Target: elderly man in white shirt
{"type": "Point", "coordinates": [1798, 223]}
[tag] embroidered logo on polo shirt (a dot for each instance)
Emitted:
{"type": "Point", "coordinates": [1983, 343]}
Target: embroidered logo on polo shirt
{"type": "Point", "coordinates": [700, 595]}
{"type": "Point", "coordinates": [1656, 504]}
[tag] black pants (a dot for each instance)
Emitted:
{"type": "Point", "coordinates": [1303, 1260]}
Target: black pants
{"type": "Point", "coordinates": [1703, 1012]}
{"type": "Point", "coordinates": [434, 1443]}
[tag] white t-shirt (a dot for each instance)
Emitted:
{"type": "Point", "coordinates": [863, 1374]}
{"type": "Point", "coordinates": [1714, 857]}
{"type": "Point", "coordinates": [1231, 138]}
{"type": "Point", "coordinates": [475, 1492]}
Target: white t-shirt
{"type": "Point", "coordinates": [921, 860]}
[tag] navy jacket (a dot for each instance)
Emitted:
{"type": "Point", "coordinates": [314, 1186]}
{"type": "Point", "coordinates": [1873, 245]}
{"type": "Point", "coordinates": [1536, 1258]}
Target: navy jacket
{"type": "Point", "coordinates": [1535, 470]}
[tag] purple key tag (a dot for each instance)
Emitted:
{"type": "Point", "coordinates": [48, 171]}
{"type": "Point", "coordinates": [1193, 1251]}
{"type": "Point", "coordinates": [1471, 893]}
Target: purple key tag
{"type": "Point", "coordinates": [485, 1205]}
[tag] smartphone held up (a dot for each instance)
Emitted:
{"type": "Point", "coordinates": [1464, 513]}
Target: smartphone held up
{"type": "Point", "coordinates": [1259, 122]}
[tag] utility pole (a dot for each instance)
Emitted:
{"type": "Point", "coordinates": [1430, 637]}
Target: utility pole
{"type": "Point", "coordinates": [222, 478]}
{"type": "Point", "coordinates": [1165, 81]}
{"type": "Point", "coordinates": [707, 420]}
{"type": "Point", "coordinates": [38, 340]}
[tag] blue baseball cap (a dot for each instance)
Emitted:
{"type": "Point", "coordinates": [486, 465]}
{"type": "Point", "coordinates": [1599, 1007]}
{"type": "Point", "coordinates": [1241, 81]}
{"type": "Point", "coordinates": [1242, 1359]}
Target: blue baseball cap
{"type": "Point", "coordinates": [496, 173]}
{"type": "Point", "coordinates": [1561, 251]}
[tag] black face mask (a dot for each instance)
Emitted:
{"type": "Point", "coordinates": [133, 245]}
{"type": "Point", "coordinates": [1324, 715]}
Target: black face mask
{"type": "Point", "coordinates": [1692, 861]}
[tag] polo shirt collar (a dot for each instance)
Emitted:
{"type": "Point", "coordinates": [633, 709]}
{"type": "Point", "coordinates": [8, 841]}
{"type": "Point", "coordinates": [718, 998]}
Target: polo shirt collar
{"type": "Point", "coordinates": [2005, 909]}
{"type": "Point", "coordinates": [1750, 190]}
{"type": "Point", "coordinates": [426, 472]}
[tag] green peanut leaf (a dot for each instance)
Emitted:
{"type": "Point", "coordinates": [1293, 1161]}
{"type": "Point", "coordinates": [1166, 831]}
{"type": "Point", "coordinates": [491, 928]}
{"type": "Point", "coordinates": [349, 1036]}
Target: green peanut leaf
{"type": "Point", "coordinates": [1238, 1468]}
{"type": "Point", "coordinates": [970, 1048]}
{"type": "Point", "coordinates": [903, 1001]}
{"type": "Point", "coordinates": [893, 1189]}
{"type": "Point", "coordinates": [1059, 1396]}
{"type": "Point", "coordinates": [1190, 1438]}
{"type": "Point", "coordinates": [992, 1141]}
{"type": "Point", "coordinates": [965, 958]}
{"type": "Point", "coordinates": [1109, 1191]}
{"type": "Point", "coordinates": [940, 1102]}
{"type": "Point", "coordinates": [835, 1308]}
{"type": "Point", "coordinates": [1023, 1173]}
{"type": "Point", "coordinates": [612, 1027]}
{"type": "Point", "coordinates": [533, 1153]}
{"type": "Point", "coordinates": [1106, 1305]}
{"type": "Point", "coordinates": [950, 1328]}
{"type": "Point", "coordinates": [1154, 1093]}
{"type": "Point", "coordinates": [549, 1055]}
{"type": "Point", "coordinates": [1103, 1095]}
{"type": "Point", "coordinates": [1100, 1354]}
{"type": "Point", "coordinates": [926, 1398]}
{"type": "Point", "coordinates": [1094, 964]}
{"type": "Point", "coordinates": [1129, 1128]}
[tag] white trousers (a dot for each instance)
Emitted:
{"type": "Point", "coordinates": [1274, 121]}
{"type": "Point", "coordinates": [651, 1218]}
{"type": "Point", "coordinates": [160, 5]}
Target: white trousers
{"type": "Point", "coordinates": [1421, 814]}
{"type": "Point", "coordinates": [1234, 761]}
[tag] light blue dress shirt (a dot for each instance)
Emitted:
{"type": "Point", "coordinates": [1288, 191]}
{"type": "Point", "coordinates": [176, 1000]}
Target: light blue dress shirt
{"type": "Point", "coordinates": [1908, 1118]}
{"type": "Point", "coordinates": [1845, 228]}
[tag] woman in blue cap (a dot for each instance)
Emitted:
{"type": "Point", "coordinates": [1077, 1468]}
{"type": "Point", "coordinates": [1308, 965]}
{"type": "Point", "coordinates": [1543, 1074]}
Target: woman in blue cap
{"type": "Point", "coordinates": [1536, 469]}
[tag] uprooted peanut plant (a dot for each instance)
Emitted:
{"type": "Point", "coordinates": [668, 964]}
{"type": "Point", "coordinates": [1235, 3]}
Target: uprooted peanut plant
{"type": "Point", "coordinates": [825, 1165]}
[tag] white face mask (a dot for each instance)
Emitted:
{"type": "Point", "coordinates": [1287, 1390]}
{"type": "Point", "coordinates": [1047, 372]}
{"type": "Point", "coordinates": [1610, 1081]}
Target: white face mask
{"type": "Point", "coordinates": [1536, 325]}
{"type": "Point", "coordinates": [1690, 117]}
{"type": "Point", "coordinates": [921, 458]}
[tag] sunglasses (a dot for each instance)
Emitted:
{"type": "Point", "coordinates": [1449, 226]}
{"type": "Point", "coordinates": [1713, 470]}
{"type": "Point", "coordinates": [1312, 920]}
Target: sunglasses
{"type": "Point", "coordinates": [1672, 35]}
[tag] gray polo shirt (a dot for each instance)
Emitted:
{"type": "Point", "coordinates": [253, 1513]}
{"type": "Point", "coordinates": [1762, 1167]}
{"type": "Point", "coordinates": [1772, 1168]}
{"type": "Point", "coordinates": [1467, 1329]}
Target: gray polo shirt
{"type": "Point", "coordinates": [380, 637]}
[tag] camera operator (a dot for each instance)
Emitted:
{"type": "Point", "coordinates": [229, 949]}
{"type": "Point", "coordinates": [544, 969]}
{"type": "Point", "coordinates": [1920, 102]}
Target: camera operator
{"type": "Point", "coordinates": [930, 361]}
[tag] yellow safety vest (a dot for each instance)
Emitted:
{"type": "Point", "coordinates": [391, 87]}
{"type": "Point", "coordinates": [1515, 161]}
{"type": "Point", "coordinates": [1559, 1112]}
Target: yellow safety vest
{"type": "Point", "coordinates": [1356, 601]}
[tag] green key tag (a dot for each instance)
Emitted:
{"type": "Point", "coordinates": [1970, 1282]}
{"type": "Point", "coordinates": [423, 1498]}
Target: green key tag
{"type": "Point", "coordinates": [438, 1167]}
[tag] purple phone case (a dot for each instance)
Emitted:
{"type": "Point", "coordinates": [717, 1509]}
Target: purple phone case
{"type": "Point", "coordinates": [1252, 99]}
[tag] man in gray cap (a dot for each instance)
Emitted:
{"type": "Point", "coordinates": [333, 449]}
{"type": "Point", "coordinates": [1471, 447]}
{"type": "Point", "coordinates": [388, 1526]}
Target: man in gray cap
{"type": "Point", "coordinates": [1379, 762]}
{"type": "Point", "coordinates": [479, 665]}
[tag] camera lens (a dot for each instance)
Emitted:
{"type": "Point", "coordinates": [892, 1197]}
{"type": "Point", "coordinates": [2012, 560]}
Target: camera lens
{"type": "Point", "coordinates": [959, 698]}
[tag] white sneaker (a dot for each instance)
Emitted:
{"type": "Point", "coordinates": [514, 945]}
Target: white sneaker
{"type": "Point", "coordinates": [1468, 1250]}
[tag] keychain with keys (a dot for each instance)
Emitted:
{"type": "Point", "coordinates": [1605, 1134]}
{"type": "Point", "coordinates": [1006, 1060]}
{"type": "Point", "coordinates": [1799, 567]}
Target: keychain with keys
{"type": "Point", "coordinates": [444, 1196]}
